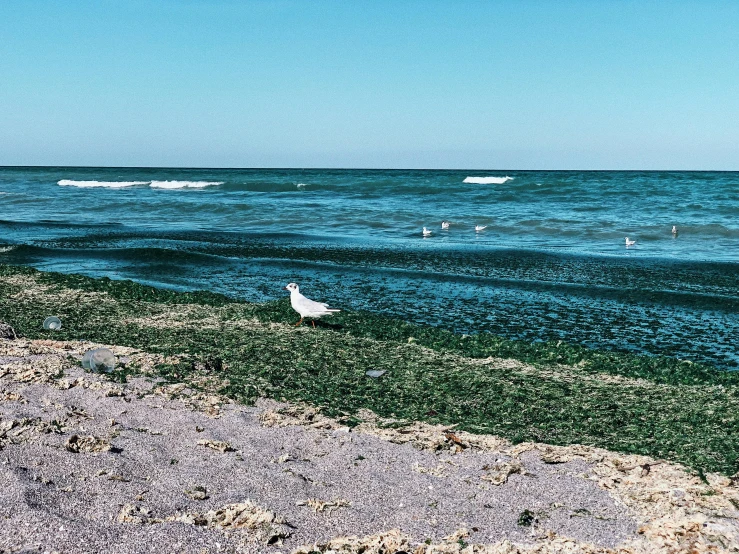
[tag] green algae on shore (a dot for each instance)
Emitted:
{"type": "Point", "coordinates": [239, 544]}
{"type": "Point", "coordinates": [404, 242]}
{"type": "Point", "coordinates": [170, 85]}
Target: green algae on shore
{"type": "Point", "coordinates": [548, 392]}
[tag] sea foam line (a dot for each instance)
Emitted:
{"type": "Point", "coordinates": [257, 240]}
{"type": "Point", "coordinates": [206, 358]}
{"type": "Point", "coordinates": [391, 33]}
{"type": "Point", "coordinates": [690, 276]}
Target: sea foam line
{"type": "Point", "coordinates": [488, 180]}
{"type": "Point", "coordinates": [184, 184]}
{"type": "Point", "coordinates": [103, 184]}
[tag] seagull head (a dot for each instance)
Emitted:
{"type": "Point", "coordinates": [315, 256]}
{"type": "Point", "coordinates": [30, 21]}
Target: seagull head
{"type": "Point", "coordinates": [292, 287]}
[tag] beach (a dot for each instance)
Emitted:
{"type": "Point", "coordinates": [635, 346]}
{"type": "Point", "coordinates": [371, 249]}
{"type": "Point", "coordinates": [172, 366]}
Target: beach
{"type": "Point", "coordinates": [225, 428]}
{"type": "Point", "coordinates": [369, 277]}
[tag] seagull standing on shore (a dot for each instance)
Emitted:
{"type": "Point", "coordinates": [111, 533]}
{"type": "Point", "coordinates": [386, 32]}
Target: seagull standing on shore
{"type": "Point", "coordinates": [426, 232]}
{"type": "Point", "coordinates": [445, 225]}
{"type": "Point", "coordinates": [479, 228]}
{"type": "Point", "coordinates": [630, 242]}
{"type": "Point", "coordinates": [307, 307]}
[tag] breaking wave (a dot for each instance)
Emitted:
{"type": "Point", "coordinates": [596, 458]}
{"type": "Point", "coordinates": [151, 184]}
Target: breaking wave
{"type": "Point", "coordinates": [126, 184]}
{"type": "Point", "coordinates": [103, 184]}
{"type": "Point", "coordinates": [488, 180]}
{"type": "Point", "coordinates": [184, 184]}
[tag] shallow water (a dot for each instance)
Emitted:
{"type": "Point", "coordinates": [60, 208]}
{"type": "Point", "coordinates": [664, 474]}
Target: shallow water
{"type": "Point", "coordinates": [552, 263]}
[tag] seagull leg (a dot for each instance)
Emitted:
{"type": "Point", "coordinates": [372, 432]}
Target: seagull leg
{"type": "Point", "coordinates": [299, 322]}
{"type": "Point", "coordinates": [314, 323]}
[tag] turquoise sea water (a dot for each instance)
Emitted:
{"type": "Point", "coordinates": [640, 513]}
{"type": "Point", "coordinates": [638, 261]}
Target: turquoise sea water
{"type": "Point", "coordinates": [551, 263]}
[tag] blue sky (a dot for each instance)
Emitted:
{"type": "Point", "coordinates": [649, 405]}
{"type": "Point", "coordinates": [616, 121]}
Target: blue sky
{"type": "Point", "coordinates": [521, 84]}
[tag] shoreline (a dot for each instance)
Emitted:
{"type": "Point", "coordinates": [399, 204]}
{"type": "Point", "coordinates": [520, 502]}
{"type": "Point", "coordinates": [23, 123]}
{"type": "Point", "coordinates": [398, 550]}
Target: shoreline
{"type": "Point", "coordinates": [545, 392]}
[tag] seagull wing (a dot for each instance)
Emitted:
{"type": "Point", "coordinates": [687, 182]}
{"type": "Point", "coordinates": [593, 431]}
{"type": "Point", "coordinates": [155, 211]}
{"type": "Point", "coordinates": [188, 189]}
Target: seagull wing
{"type": "Point", "coordinates": [312, 307]}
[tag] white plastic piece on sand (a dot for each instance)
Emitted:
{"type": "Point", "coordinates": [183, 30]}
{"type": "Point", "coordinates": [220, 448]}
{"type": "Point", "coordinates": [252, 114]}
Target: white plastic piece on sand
{"type": "Point", "coordinates": [375, 373]}
{"type": "Point", "coordinates": [100, 360]}
{"type": "Point", "coordinates": [52, 323]}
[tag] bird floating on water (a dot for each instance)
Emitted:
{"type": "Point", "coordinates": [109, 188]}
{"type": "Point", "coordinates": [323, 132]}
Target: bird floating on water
{"type": "Point", "coordinates": [445, 225]}
{"type": "Point", "coordinates": [426, 232]}
{"type": "Point", "coordinates": [630, 242]}
{"type": "Point", "coordinates": [674, 230]}
{"type": "Point", "coordinates": [307, 307]}
{"type": "Point", "coordinates": [480, 227]}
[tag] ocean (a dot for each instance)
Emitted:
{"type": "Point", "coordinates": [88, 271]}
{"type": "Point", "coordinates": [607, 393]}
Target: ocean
{"type": "Point", "coordinates": [551, 263]}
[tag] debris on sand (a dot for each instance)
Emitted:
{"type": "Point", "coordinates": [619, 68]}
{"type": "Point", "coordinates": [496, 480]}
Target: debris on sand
{"type": "Point", "coordinates": [17, 431]}
{"type": "Point", "coordinates": [395, 542]}
{"type": "Point", "coordinates": [421, 435]}
{"type": "Point", "coordinates": [259, 524]}
{"type": "Point", "coordinates": [324, 505]}
{"type": "Point", "coordinates": [136, 515]}
{"type": "Point", "coordinates": [438, 471]}
{"type": "Point", "coordinates": [197, 493]}
{"type": "Point", "coordinates": [499, 472]}
{"type": "Point", "coordinates": [220, 446]}
{"type": "Point", "coordinates": [209, 404]}
{"type": "Point", "coordinates": [297, 414]}
{"type": "Point", "coordinates": [678, 510]}
{"type": "Point", "coordinates": [381, 543]}
{"type": "Point", "coordinates": [77, 444]}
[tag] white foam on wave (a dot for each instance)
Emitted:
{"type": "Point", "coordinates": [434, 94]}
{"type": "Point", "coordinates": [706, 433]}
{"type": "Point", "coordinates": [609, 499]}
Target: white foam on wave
{"type": "Point", "coordinates": [488, 180]}
{"type": "Point", "coordinates": [301, 185]}
{"type": "Point", "coordinates": [184, 184]}
{"type": "Point", "coordinates": [102, 184]}
{"type": "Point", "coordinates": [4, 249]}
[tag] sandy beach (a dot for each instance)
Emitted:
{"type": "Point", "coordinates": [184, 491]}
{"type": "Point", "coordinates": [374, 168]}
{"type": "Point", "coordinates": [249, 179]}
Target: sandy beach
{"type": "Point", "coordinates": [90, 465]}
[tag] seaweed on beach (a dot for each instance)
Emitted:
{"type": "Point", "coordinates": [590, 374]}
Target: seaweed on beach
{"type": "Point", "coordinates": [547, 392]}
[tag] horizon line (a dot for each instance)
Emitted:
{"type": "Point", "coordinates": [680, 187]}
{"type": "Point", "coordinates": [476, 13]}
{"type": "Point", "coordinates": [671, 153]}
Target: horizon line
{"type": "Point", "coordinates": [355, 168]}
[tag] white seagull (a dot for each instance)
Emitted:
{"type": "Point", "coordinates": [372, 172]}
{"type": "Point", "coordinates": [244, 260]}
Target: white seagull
{"type": "Point", "coordinates": [445, 225]}
{"type": "Point", "coordinates": [630, 242]}
{"type": "Point", "coordinates": [307, 307]}
{"type": "Point", "coordinates": [480, 227]}
{"type": "Point", "coordinates": [674, 230]}
{"type": "Point", "coordinates": [426, 232]}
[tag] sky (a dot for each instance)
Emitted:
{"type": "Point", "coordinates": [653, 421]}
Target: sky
{"type": "Point", "coordinates": [521, 84]}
